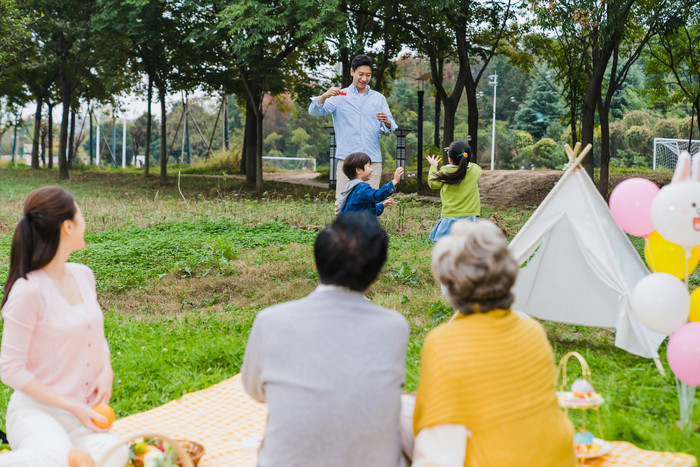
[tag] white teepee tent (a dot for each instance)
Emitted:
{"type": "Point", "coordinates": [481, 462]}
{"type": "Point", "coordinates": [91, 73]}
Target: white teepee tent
{"type": "Point", "coordinates": [581, 267]}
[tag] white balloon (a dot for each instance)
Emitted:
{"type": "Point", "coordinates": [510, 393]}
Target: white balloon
{"type": "Point", "coordinates": [675, 212]}
{"type": "Point", "coordinates": [661, 302]}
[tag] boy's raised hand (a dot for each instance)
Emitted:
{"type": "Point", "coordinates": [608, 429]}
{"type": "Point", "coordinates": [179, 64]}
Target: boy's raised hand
{"type": "Point", "coordinates": [433, 160]}
{"type": "Point", "coordinates": [397, 176]}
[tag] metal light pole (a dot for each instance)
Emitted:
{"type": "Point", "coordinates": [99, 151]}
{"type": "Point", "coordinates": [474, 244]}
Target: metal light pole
{"type": "Point", "coordinates": [419, 162]}
{"type": "Point", "coordinates": [124, 142]}
{"type": "Point", "coordinates": [97, 139]}
{"type": "Point", "coordinates": [401, 149]}
{"type": "Point", "coordinates": [494, 83]}
{"type": "Point", "coordinates": [332, 162]}
{"type": "Point", "coordinates": [92, 141]}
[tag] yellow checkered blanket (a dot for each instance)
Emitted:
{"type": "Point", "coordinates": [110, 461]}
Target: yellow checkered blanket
{"type": "Point", "coordinates": [230, 425]}
{"type": "Point", "coordinates": [222, 418]}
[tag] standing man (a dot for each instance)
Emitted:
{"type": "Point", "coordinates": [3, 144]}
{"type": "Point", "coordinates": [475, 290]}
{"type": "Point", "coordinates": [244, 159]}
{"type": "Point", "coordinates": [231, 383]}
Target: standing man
{"type": "Point", "coordinates": [359, 114]}
{"type": "Point", "coordinates": [331, 366]}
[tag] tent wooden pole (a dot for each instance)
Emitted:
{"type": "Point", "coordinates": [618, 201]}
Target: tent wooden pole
{"type": "Point", "coordinates": [580, 157]}
{"type": "Point", "coordinates": [569, 153]}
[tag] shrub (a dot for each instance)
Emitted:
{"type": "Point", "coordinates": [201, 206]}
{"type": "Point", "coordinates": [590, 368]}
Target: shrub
{"type": "Point", "coordinates": [219, 161]}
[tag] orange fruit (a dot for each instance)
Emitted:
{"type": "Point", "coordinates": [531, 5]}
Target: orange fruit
{"type": "Point", "coordinates": [107, 412]}
{"type": "Point", "coordinates": [146, 449]}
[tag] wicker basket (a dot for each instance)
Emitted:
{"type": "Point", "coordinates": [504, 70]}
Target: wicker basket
{"type": "Point", "coordinates": [586, 375]}
{"type": "Point", "coordinates": [189, 453]}
{"type": "Point", "coordinates": [585, 370]}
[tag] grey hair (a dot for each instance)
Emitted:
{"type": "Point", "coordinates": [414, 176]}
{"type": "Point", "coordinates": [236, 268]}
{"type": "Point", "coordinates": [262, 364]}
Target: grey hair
{"type": "Point", "coordinates": [474, 263]}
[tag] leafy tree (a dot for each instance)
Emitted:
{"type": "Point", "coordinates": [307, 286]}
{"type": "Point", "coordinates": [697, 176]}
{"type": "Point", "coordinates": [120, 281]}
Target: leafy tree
{"type": "Point", "coordinates": [513, 86]}
{"type": "Point", "coordinates": [628, 97]}
{"type": "Point", "coordinates": [272, 45]}
{"type": "Point", "coordinates": [299, 139]}
{"type": "Point", "coordinates": [468, 32]}
{"type": "Point", "coordinates": [674, 64]}
{"type": "Point", "coordinates": [363, 27]}
{"type": "Point", "coordinates": [13, 32]}
{"type": "Point", "coordinates": [272, 141]}
{"type": "Point", "coordinates": [592, 38]}
{"type": "Point", "coordinates": [541, 109]}
{"type": "Point", "coordinates": [153, 40]}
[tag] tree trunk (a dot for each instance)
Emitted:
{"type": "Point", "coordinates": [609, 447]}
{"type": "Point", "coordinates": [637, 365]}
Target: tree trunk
{"type": "Point", "coordinates": [604, 116]}
{"type": "Point", "coordinates": [44, 135]}
{"type": "Point", "coordinates": [449, 102]}
{"type": "Point", "coordinates": [574, 120]}
{"type": "Point", "coordinates": [345, 78]}
{"type": "Point", "coordinates": [63, 138]}
{"type": "Point", "coordinates": [146, 162]}
{"type": "Point", "coordinates": [37, 133]}
{"type": "Point", "coordinates": [438, 106]}
{"type": "Point", "coordinates": [696, 105]}
{"type": "Point", "coordinates": [448, 132]}
{"type": "Point", "coordinates": [250, 138]}
{"type": "Point", "coordinates": [50, 135]}
{"type": "Point", "coordinates": [163, 138]}
{"type": "Point", "coordinates": [436, 122]}
{"type": "Point", "coordinates": [244, 150]}
{"type": "Point", "coordinates": [590, 101]}
{"type": "Point", "coordinates": [473, 123]}
{"type": "Point", "coordinates": [588, 124]}
{"type": "Point", "coordinates": [259, 148]}
{"type": "Point", "coordinates": [71, 139]}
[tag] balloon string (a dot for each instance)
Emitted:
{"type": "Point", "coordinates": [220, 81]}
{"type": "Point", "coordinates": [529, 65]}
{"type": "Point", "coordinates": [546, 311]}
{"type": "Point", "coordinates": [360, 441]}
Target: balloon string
{"type": "Point", "coordinates": [651, 256]}
{"type": "Point", "coordinates": [687, 258]}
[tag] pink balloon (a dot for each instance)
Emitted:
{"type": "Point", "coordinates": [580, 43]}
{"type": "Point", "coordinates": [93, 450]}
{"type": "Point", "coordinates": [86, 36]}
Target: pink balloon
{"type": "Point", "coordinates": [630, 205]}
{"type": "Point", "coordinates": [683, 353]}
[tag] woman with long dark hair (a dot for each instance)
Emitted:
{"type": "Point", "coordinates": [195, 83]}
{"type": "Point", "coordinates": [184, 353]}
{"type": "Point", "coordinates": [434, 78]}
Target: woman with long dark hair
{"type": "Point", "coordinates": [54, 353]}
{"type": "Point", "coordinates": [458, 184]}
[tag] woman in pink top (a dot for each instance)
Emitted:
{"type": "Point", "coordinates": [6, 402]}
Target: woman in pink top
{"type": "Point", "coordinates": [54, 353]}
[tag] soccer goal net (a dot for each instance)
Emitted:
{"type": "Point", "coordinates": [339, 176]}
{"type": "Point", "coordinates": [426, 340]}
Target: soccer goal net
{"type": "Point", "coordinates": [666, 151]}
{"type": "Point", "coordinates": [289, 163]}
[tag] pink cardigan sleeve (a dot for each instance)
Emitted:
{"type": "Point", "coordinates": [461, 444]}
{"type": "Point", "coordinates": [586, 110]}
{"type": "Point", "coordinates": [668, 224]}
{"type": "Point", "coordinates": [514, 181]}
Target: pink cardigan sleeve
{"type": "Point", "coordinates": [20, 316]}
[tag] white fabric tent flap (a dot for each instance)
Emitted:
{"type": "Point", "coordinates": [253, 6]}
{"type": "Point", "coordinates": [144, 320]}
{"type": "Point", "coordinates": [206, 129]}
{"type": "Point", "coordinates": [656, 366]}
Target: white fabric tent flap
{"type": "Point", "coordinates": [582, 267]}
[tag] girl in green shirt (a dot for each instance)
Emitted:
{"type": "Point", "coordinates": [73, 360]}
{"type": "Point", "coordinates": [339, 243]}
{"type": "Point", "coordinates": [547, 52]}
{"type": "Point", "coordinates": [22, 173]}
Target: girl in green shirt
{"type": "Point", "coordinates": [458, 182]}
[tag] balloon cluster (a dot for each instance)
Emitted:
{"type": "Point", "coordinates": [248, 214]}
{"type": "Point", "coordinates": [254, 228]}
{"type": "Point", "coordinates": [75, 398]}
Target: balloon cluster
{"type": "Point", "coordinates": [669, 221]}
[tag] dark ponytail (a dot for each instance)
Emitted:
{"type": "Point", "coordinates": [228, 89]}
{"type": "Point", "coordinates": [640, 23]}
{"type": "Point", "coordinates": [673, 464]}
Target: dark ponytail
{"type": "Point", "coordinates": [38, 233]}
{"type": "Point", "coordinates": [461, 153]}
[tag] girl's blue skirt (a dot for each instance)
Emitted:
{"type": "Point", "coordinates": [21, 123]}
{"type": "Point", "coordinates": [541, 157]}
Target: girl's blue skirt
{"type": "Point", "coordinates": [444, 225]}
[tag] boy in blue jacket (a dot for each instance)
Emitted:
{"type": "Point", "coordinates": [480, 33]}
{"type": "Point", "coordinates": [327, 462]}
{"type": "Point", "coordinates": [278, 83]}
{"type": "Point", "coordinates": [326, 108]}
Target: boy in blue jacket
{"type": "Point", "coordinates": [357, 195]}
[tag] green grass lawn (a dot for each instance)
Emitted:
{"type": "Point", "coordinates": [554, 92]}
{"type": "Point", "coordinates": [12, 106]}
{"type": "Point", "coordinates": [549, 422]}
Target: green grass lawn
{"type": "Point", "coordinates": [181, 281]}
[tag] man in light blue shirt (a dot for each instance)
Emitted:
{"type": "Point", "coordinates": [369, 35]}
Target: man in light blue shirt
{"type": "Point", "coordinates": [359, 115]}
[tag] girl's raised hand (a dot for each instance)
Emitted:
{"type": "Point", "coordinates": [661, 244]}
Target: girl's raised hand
{"type": "Point", "coordinates": [433, 160]}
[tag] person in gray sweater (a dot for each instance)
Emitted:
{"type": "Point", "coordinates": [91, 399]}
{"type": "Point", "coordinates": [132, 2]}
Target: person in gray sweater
{"type": "Point", "coordinates": [331, 366]}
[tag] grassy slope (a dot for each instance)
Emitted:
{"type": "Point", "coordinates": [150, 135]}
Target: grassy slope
{"type": "Point", "coordinates": [181, 282]}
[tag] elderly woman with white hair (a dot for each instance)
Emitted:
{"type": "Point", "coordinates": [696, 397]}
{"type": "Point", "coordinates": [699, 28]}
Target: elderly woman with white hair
{"type": "Point", "coordinates": [486, 393]}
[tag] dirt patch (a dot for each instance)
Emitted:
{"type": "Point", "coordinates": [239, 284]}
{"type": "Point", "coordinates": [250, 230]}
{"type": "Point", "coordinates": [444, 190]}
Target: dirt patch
{"type": "Point", "coordinates": [513, 188]}
{"type": "Point", "coordinates": [510, 188]}
{"type": "Point", "coordinates": [516, 187]}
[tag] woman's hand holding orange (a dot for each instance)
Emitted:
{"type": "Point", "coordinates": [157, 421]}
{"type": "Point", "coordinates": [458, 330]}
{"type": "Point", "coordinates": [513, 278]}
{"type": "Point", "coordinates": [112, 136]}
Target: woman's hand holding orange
{"type": "Point", "coordinates": [87, 417]}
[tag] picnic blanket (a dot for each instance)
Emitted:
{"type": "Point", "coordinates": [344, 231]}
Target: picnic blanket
{"type": "Point", "coordinates": [230, 425]}
{"type": "Point", "coordinates": [222, 418]}
{"type": "Point", "coordinates": [625, 454]}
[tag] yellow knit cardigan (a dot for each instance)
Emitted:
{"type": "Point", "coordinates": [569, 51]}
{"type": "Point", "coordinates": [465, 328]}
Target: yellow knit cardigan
{"type": "Point", "coordinates": [494, 373]}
